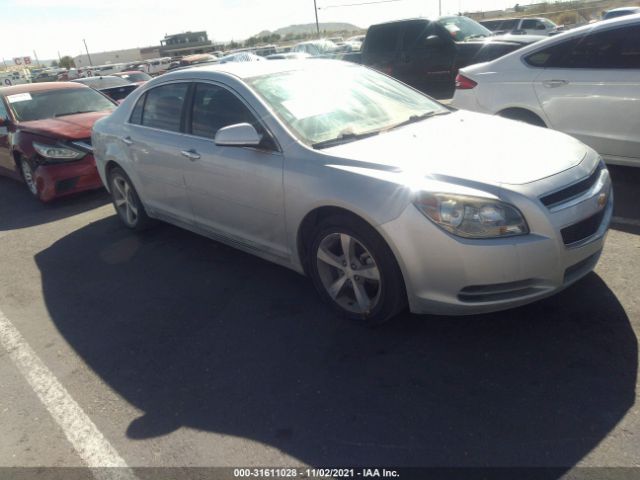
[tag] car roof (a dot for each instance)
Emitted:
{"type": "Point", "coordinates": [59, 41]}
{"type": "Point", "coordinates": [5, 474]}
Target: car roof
{"type": "Point", "coordinates": [244, 70]}
{"type": "Point", "coordinates": [38, 87]}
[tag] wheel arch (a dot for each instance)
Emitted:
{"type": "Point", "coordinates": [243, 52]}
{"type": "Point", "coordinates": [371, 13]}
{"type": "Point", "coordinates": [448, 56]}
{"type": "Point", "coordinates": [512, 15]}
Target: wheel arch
{"type": "Point", "coordinates": [523, 113]}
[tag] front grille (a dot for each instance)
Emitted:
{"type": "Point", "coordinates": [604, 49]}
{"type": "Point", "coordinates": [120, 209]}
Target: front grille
{"type": "Point", "coordinates": [572, 191]}
{"type": "Point", "coordinates": [583, 229]}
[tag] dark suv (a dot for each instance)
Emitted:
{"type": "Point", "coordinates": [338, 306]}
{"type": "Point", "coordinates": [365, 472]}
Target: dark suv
{"type": "Point", "coordinates": [427, 54]}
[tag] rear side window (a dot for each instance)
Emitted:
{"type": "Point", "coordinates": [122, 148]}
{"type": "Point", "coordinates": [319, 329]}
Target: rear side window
{"type": "Point", "coordinates": [163, 106]}
{"type": "Point", "coordinates": [615, 49]}
{"type": "Point", "coordinates": [382, 38]}
{"type": "Point", "coordinates": [550, 56]}
{"type": "Point", "coordinates": [136, 115]}
{"type": "Point", "coordinates": [532, 25]}
{"type": "Point", "coordinates": [508, 24]}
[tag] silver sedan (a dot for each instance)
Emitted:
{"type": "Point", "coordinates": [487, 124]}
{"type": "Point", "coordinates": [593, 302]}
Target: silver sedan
{"type": "Point", "coordinates": [382, 196]}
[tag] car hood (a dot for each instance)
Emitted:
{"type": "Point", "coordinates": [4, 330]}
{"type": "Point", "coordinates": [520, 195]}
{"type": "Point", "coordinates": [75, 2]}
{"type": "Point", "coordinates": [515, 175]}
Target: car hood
{"type": "Point", "coordinates": [465, 145]}
{"type": "Point", "coordinates": [71, 127]}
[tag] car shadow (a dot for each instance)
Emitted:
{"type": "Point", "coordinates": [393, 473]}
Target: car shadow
{"type": "Point", "coordinates": [197, 334]}
{"type": "Point", "coordinates": [19, 209]}
{"type": "Point", "coordinates": [626, 188]}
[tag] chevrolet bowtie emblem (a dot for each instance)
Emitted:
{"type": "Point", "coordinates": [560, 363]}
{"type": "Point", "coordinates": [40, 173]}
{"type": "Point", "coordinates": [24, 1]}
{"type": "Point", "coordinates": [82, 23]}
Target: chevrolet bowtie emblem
{"type": "Point", "coordinates": [602, 200]}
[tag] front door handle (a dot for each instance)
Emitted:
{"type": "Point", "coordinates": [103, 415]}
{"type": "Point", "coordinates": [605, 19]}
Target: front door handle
{"type": "Point", "coordinates": [190, 154]}
{"type": "Point", "coordinates": [554, 83]}
{"type": "Point", "coordinates": [127, 140]}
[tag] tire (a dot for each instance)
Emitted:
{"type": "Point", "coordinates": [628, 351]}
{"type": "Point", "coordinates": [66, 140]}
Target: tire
{"type": "Point", "coordinates": [342, 283]}
{"type": "Point", "coordinates": [127, 202]}
{"type": "Point", "coordinates": [27, 172]}
{"type": "Point", "coordinates": [523, 116]}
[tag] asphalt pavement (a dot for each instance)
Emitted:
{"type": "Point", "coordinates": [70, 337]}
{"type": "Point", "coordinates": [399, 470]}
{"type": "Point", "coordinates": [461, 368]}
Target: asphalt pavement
{"type": "Point", "coordinates": [181, 351]}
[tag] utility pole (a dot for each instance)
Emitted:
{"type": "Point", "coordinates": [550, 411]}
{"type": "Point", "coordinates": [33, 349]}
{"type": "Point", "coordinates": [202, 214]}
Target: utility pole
{"type": "Point", "coordinates": [87, 49]}
{"type": "Point", "coordinates": [36, 56]}
{"type": "Point", "coordinates": [315, 9]}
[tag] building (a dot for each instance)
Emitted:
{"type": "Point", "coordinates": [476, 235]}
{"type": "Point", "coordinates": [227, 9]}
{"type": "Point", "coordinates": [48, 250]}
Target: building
{"type": "Point", "coordinates": [187, 43]}
{"type": "Point", "coordinates": [104, 58]}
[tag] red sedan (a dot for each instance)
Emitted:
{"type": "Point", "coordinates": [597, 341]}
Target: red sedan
{"type": "Point", "coordinates": [45, 136]}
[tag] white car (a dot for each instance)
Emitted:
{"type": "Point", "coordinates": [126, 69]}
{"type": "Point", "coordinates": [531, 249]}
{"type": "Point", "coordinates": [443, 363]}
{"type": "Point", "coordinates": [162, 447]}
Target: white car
{"type": "Point", "coordinates": [528, 26]}
{"type": "Point", "coordinates": [585, 82]}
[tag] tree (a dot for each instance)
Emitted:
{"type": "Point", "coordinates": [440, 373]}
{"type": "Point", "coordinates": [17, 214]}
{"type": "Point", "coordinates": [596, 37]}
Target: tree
{"type": "Point", "coordinates": [67, 62]}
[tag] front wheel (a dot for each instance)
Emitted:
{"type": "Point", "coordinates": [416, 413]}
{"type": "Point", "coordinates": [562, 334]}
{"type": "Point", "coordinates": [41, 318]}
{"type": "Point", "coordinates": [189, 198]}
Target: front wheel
{"type": "Point", "coordinates": [126, 201]}
{"type": "Point", "coordinates": [29, 177]}
{"type": "Point", "coordinates": [355, 272]}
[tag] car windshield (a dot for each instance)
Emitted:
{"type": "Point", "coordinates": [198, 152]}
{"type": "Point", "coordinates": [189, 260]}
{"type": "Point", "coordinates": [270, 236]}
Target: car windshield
{"type": "Point", "coordinates": [463, 28]}
{"type": "Point", "coordinates": [341, 103]}
{"type": "Point", "coordinates": [56, 103]}
{"type": "Point", "coordinates": [136, 77]}
{"type": "Point", "coordinates": [103, 82]}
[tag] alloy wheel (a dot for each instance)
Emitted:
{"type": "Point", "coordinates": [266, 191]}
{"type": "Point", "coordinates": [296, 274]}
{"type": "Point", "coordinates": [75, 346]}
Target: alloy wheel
{"type": "Point", "coordinates": [125, 201]}
{"type": "Point", "coordinates": [27, 174]}
{"type": "Point", "coordinates": [349, 273]}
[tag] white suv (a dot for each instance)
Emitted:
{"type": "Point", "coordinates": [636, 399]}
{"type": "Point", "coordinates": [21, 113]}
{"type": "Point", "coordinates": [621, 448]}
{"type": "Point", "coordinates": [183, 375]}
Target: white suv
{"type": "Point", "coordinates": [585, 82]}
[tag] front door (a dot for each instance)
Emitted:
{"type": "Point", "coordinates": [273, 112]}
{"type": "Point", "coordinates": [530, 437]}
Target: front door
{"type": "Point", "coordinates": [236, 192]}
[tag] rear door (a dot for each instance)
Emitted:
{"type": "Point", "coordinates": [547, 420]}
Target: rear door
{"type": "Point", "coordinates": [534, 26]}
{"type": "Point", "coordinates": [236, 192]}
{"type": "Point", "coordinates": [155, 145]}
{"type": "Point", "coordinates": [592, 91]}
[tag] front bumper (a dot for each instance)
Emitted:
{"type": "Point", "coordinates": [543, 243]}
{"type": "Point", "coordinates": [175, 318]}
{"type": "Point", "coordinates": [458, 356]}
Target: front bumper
{"type": "Point", "coordinates": [449, 275]}
{"type": "Point", "coordinates": [61, 179]}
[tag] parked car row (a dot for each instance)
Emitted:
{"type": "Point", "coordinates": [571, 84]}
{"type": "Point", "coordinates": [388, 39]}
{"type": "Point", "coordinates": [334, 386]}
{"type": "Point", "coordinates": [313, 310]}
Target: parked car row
{"type": "Point", "coordinates": [384, 197]}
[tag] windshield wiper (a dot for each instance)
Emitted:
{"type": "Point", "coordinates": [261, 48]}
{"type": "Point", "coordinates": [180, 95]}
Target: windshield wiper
{"type": "Point", "coordinates": [344, 138]}
{"type": "Point", "coordinates": [72, 113]}
{"type": "Point", "coordinates": [418, 118]}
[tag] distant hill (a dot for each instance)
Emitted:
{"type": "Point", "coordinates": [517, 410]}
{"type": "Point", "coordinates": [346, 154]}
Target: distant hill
{"type": "Point", "coordinates": [310, 28]}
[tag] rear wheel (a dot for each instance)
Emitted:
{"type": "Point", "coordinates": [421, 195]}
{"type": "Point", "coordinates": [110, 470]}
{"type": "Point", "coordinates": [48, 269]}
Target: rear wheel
{"type": "Point", "coordinates": [355, 272]}
{"type": "Point", "coordinates": [126, 201]}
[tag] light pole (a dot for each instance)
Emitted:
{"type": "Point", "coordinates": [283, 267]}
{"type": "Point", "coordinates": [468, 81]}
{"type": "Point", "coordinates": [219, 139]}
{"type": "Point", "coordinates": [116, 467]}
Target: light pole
{"type": "Point", "coordinates": [315, 9]}
{"type": "Point", "coordinates": [87, 49]}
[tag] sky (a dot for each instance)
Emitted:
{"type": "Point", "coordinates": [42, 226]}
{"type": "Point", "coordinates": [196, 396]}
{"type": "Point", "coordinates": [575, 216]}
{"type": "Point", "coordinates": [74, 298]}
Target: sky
{"type": "Point", "coordinates": [59, 26]}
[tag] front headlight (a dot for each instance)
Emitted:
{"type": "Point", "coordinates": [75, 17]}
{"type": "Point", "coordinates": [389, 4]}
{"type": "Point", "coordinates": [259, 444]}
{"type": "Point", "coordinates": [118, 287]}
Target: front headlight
{"type": "Point", "coordinates": [472, 217]}
{"type": "Point", "coordinates": [57, 152]}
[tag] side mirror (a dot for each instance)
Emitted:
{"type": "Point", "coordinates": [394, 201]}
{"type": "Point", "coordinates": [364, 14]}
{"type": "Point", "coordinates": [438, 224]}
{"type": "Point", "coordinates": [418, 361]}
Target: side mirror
{"type": "Point", "coordinates": [238, 135]}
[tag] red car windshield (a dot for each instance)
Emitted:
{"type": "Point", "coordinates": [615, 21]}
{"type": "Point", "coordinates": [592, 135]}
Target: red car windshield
{"type": "Point", "coordinates": [57, 103]}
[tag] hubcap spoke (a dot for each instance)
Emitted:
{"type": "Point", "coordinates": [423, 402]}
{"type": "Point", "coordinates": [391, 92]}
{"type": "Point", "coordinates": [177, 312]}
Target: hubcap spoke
{"type": "Point", "coordinates": [335, 288]}
{"type": "Point", "coordinates": [329, 258]}
{"type": "Point", "coordinates": [361, 296]}
{"type": "Point", "coordinates": [370, 272]}
{"type": "Point", "coordinates": [347, 247]}
{"type": "Point", "coordinates": [120, 202]}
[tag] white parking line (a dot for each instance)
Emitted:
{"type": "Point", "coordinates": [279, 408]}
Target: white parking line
{"type": "Point", "coordinates": [625, 221]}
{"type": "Point", "coordinates": [95, 450]}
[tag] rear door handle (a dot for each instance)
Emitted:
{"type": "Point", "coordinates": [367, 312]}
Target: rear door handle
{"type": "Point", "coordinates": [554, 83]}
{"type": "Point", "coordinates": [190, 154]}
{"type": "Point", "coordinates": [127, 140]}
